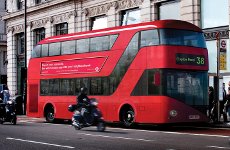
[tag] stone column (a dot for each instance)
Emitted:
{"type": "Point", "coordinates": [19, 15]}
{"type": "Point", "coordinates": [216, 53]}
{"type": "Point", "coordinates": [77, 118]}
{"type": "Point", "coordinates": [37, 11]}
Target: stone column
{"type": "Point", "coordinates": [190, 11]}
{"type": "Point", "coordinates": [146, 11]}
{"type": "Point", "coordinates": [48, 28]}
{"type": "Point", "coordinates": [30, 43]}
{"type": "Point", "coordinates": [12, 62]}
{"type": "Point", "coordinates": [111, 17]}
{"type": "Point", "coordinates": [71, 22]}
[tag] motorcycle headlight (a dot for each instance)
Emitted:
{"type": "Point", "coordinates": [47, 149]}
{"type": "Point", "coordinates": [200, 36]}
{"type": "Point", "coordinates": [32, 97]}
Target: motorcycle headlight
{"type": "Point", "coordinates": [95, 103]}
{"type": "Point", "coordinates": [10, 102]}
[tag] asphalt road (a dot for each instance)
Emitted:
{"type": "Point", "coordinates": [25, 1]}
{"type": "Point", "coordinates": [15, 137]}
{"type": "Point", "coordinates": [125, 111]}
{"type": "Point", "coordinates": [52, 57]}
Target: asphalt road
{"type": "Point", "coordinates": [38, 135]}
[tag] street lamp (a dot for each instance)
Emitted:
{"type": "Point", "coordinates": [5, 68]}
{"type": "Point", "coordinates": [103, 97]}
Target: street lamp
{"type": "Point", "coordinates": [25, 56]}
{"type": "Point", "coordinates": [218, 74]}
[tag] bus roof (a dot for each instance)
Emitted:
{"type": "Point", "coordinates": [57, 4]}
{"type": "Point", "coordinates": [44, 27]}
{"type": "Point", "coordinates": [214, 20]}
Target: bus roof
{"type": "Point", "coordinates": [174, 24]}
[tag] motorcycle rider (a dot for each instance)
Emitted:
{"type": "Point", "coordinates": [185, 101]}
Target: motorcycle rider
{"type": "Point", "coordinates": [82, 99]}
{"type": "Point", "coordinates": [82, 102]}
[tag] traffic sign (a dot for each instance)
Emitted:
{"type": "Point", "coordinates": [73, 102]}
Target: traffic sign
{"type": "Point", "coordinates": [223, 44]}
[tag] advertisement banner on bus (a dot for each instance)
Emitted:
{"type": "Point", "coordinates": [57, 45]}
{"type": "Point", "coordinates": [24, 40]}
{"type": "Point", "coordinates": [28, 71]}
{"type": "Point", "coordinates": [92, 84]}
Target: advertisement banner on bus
{"type": "Point", "coordinates": [86, 65]}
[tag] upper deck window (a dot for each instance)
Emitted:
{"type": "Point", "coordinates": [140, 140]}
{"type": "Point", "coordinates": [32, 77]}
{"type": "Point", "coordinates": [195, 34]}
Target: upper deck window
{"type": "Point", "coordinates": [83, 46]}
{"type": "Point", "coordinates": [182, 38]}
{"type": "Point", "coordinates": [95, 44]}
{"type": "Point", "coordinates": [54, 49]}
{"type": "Point", "coordinates": [37, 51]}
{"type": "Point", "coordinates": [99, 43]}
{"type": "Point", "coordinates": [45, 48]}
{"type": "Point", "coordinates": [68, 47]}
{"type": "Point", "coordinates": [149, 37]}
{"type": "Point", "coordinates": [172, 37]}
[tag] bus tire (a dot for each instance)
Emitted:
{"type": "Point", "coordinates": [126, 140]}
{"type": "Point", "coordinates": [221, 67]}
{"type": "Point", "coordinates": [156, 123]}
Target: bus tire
{"type": "Point", "coordinates": [49, 114]}
{"type": "Point", "coordinates": [127, 116]}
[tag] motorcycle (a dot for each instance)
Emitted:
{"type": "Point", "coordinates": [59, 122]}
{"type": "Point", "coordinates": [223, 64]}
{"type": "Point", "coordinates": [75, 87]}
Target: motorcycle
{"type": "Point", "coordinates": [87, 116]}
{"type": "Point", "coordinates": [8, 112]}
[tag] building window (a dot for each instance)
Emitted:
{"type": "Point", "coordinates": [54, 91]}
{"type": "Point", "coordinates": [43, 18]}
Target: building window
{"type": "Point", "coordinates": [131, 16]}
{"type": "Point", "coordinates": [20, 43]}
{"type": "Point", "coordinates": [39, 34]}
{"type": "Point", "coordinates": [19, 4]}
{"type": "Point", "coordinates": [171, 6]}
{"type": "Point", "coordinates": [62, 28]}
{"type": "Point", "coordinates": [38, 1]}
{"type": "Point", "coordinates": [99, 22]}
{"type": "Point", "coordinates": [214, 14]}
{"type": "Point", "coordinates": [4, 57]}
{"type": "Point", "coordinates": [5, 7]}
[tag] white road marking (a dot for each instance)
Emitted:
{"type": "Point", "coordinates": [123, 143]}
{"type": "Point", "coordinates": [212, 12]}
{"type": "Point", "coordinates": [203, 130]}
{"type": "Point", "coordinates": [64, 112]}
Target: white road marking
{"type": "Point", "coordinates": [43, 143]}
{"type": "Point", "coordinates": [116, 137]}
{"type": "Point", "coordinates": [176, 133]}
{"type": "Point", "coordinates": [218, 147]}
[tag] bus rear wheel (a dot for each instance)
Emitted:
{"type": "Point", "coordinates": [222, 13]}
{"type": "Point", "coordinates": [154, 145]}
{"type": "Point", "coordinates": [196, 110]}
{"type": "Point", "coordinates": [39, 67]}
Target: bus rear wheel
{"type": "Point", "coordinates": [127, 116]}
{"type": "Point", "coordinates": [49, 114]}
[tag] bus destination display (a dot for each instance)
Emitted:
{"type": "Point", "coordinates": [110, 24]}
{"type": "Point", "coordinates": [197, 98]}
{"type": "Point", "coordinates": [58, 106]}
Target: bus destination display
{"type": "Point", "coordinates": [190, 59]}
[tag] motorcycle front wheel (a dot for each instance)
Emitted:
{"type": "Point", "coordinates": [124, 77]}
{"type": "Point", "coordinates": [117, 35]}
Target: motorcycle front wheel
{"type": "Point", "coordinates": [101, 126]}
{"type": "Point", "coordinates": [77, 125]}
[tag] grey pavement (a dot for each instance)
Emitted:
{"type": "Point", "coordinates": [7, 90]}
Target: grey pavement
{"type": "Point", "coordinates": [220, 124]}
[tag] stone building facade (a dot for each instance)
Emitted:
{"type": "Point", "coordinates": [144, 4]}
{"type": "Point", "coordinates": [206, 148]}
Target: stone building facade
{"type": "Point", "coordinates": [43, 16]}
{"type": "Point", "coordinates": [3, 52]}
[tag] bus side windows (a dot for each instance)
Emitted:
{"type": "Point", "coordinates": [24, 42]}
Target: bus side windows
{"type": "Point", "coordinates": [99, 43]}
{"type": "Point", "coordinates": [44, 52]}
{"type": "Point", "coordinates": [68, 47]}
{"type": "Point", "coordinates": [112, 40]}
{"type": "Point", "coordinates": [54, 87]}
{"type": "Point", "coordinates": [36, 51]}
{"type": "Point", "coordinates": [44, 84]}
{"type": "Point", "coordinates": [54, 49]}
{"type": "Point", "coordinates": [82, 46]}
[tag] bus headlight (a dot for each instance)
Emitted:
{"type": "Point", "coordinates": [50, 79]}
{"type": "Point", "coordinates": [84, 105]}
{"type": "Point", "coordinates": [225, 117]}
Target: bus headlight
{"type": "Point", "coordinates": [173, 113]}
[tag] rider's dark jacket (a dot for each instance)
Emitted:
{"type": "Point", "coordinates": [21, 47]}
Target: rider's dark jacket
{"type": "Point", "coordinates": [82, 101]}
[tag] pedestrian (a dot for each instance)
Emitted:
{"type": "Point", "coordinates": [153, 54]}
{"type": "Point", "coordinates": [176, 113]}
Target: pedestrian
{"type": "Point", "coordinates": [212, 105]}
{"type": "Point", "coordinates": [6, 96]}
{"type": "Point", "coordinates": [223, 110]}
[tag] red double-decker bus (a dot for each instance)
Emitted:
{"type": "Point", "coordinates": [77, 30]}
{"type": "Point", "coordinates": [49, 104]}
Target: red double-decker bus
{"type": "Point", "coordinates": [154, 72]}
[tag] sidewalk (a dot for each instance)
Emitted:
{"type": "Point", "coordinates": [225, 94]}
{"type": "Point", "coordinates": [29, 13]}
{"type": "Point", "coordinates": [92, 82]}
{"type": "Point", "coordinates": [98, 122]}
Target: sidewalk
{"type": "Point", "coordinates": [220, 125]}
{"type": "Point", "coordinates": [26, 118]}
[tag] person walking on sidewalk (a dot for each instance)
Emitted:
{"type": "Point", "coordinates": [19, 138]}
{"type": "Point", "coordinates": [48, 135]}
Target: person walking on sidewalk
{"type": "Point", "coordinates": [222, 105]}
{"type": "Point", "coordinates": [212, 105]}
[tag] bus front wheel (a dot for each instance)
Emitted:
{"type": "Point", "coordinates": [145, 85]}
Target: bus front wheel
{"type": "Point", "coordinates": [127, 116]}
{"type": "Point", "coordinates": [49, 114]}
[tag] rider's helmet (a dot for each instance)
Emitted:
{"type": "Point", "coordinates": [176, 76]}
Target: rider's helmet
{"type": "Point", "coordinates": [83, 90]}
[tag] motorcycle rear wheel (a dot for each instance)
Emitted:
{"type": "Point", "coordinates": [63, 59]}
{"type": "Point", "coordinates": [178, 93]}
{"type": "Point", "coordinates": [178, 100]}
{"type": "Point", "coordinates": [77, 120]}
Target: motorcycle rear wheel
{"type": "Point", "coordinates": [1, 121]}
{"type": "Point", "coordinates": [14, 120]}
